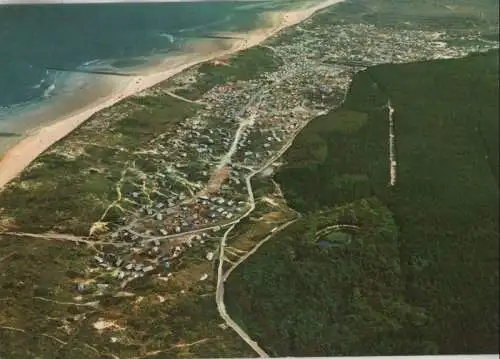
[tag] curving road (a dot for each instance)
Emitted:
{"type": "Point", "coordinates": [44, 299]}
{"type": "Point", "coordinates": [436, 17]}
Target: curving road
{"type": "Point", "coordinates": [221, 276]}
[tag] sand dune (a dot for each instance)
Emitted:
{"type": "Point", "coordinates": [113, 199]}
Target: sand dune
{"type": "Point", "coordinates": [23, 153]}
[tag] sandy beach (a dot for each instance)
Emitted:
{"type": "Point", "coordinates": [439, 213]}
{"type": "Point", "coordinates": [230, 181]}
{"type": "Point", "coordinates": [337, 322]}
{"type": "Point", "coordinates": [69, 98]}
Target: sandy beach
{"type": "Point", "coordinates": [37, 141]}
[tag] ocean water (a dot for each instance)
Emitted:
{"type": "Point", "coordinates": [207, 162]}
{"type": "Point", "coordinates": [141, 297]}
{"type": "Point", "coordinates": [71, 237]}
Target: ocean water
{"type": "Point", "coordinates": [117, 37]}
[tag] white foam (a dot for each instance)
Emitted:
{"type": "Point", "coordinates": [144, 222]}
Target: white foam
{"type": "Point", "coordinates": [38, 85]}
{"type": "Point", "coordinates": [88, 63]}
{"type": "Point", "coordinates": [49, 90]}
{"type": "Point", "coordinates": [170, 37]}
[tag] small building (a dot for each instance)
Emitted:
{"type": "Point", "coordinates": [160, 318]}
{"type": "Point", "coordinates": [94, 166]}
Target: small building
{"type": "Point", "coordinates": [102, 286]}
{"type": "Point", "coordinates": [81, 287]}
{"type": "Point", "coordinates": [166, 266]}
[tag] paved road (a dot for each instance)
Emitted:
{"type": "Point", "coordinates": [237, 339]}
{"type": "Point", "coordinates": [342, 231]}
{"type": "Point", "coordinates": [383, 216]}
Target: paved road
{"type": "Point", "coordinates": [219, 293]}
{"type": "Point", "coordinates": [221, 276]}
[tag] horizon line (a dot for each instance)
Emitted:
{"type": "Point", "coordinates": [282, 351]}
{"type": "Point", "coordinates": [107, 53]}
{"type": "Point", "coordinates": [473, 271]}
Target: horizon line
{"type": "Point", "coordinates": [70, 2]}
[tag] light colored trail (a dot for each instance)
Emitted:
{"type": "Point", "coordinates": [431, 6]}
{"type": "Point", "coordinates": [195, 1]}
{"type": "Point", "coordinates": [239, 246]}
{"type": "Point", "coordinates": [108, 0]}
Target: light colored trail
{"type": "Point", "coordinates": [336, 227]}
{"type": "Point", "coordinates": [94, 304]}
{"type": "Point", "coordinates": [392, 145]}
{"type": "Point", "coordinates": [269, 47]}
{"type": "Point", "coordinates": [243, 124]}
{"type": "Point", "coordinates": [171, 94]}
{"type": "Point", "coordinates": [64, 237]}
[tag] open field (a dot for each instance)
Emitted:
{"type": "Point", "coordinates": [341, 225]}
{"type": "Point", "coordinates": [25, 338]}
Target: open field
{"type": "Point", "coordinates": [43, 315]}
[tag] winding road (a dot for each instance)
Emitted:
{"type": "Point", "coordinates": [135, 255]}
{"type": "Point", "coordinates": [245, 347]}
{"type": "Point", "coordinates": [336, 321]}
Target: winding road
{"type": "Point", "coordinates": [221, 276]}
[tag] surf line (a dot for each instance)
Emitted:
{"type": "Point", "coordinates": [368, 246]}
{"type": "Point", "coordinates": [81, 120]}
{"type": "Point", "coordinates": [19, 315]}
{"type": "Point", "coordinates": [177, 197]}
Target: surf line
{"type": "Point", "coordinates": [96, 72]}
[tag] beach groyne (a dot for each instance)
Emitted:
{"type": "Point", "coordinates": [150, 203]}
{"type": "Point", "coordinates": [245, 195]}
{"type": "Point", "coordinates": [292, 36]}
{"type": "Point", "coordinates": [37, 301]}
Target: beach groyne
{"type": "Point", "coordinates": [95, 72]}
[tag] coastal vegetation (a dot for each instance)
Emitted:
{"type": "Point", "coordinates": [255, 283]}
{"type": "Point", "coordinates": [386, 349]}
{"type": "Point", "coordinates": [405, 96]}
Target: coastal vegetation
{"type": "Point", "coordinates": [51, 208]}
{"type": "Point", "coordinates": [53, 187]}
{"type": "Point", "coordinates": [41, 316]}
{"type": "Point", "coordinates": [424, 273]}
{"type": "Point", "coordinates": [362, 269]}
{"type": "Point", "coordinates": [244, 66]}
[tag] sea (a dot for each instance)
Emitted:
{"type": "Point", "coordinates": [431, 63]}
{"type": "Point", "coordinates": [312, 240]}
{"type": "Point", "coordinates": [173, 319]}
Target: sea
{"type": "Point", "coordinates": [44, 47]}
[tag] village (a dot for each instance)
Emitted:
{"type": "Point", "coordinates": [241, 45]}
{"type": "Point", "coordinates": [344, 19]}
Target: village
{"type": "Point", "coordinates": [199, 184]}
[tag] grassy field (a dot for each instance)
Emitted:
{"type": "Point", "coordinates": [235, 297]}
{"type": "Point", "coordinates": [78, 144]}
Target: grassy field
{"type": "Point", "coordinates": [42, 317]}
{"type": "Point", "coordinates": [68, 187]}
{"type": "Point", "coordinates": [243, 66]}
{"type": "Point", "coordinates": [444, 207]}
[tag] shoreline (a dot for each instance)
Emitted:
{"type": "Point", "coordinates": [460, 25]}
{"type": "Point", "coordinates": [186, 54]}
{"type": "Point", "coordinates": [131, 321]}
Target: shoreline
{"type": "Point", "coordinates": [18, 157]}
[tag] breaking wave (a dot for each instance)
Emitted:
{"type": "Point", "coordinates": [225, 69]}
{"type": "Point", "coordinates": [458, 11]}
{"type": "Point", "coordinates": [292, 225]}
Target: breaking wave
{"type": "Point", "coordinates": [203, 26]}
{"type": "Point", "coordinates": [49, 91]}
{"type": "Point", "coordinates": [170, 37]}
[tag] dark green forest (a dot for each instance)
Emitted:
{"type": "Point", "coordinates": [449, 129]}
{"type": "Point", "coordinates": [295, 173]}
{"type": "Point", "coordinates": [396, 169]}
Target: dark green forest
{"type": "Point", "coordinates": [423, 277]}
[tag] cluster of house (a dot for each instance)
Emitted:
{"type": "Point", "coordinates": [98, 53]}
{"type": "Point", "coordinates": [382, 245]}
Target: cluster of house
{"type": "Point", "coordinates": [317, 65]}
{"type": "Point", "coordinates": [367, 43]}
{"type": "Point", "coordinates": [218, 207]}
{"type": "Point", "coordinates": [157, 258]}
